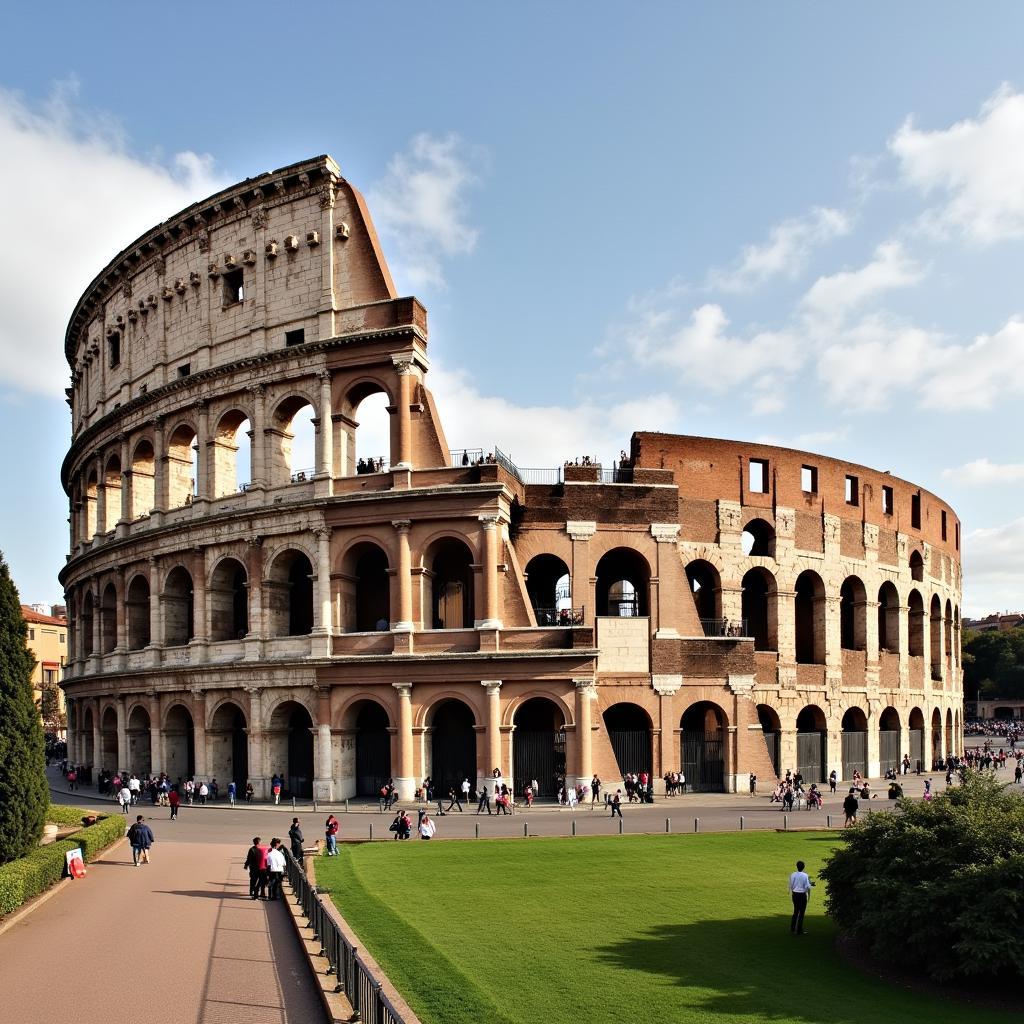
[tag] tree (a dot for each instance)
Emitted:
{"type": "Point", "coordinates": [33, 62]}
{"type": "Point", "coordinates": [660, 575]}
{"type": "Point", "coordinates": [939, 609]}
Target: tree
{"type": "Point", "coordinates": [937, 887]}
{"type": "Point", "coordinates": [994, 664]}
{"type": "Point", "coordinates": [24, 796]}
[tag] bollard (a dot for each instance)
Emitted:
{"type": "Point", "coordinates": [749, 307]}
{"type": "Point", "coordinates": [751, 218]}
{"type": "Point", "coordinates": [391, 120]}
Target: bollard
{"type": "Point", "coordinates": [696, 824]}
{"type": "Point", "coordinates": [785, 822]}
{"type": "Point", "coordinates": [476, 829]}
{"type": "Point", "coordinates": [828, 820]}
{"type": "Point", "coordinates": [314, 805]}
{"type": "Point", "coordinates": [526, 830]}
{"type": "Point", "coordinates": [741, 822]}
{"type": "Point", "coordinates": [668, 824]}
{"type": "Point", "coordinates": [293, 803]}
{"type": "Point", "coordinates": [346, 805]}
{"type": "Point", "coordinates": [620, 826]}
{"type": "Point", "coordinates": [371, 831]}
{"type": "Point", "coordinates": [574, 826]}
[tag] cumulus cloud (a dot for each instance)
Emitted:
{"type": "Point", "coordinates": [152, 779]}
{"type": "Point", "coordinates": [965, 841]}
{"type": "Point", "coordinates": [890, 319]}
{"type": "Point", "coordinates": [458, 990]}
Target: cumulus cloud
{"type": "Point", "coordinates": [982, 472]}
{"type": "Point", "coordinates": [82, 196]}
{"type": "Point", "coordinates": [421, 206]}
{"type": "Point", "coordinates": [975, 167]}
{"type": "Point", "coordinates": [786, 253]}
{"type": "Point", "coordinates": [993, 559]}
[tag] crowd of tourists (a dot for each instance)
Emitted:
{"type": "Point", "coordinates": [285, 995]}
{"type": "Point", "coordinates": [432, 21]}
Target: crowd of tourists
{"type": "Point", "coordinates": [364, 466]}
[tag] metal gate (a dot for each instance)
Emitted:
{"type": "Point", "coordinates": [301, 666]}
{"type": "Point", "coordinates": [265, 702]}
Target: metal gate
{"type": "Point", "coordinates": [373, 761]}
{"type": "Point", "coordinates": [855, 754]}
{"type": "Point", "coordinates": [917, 749]}
{"type": "Point", "coordinates": [889, 750]}
{"type": "Point", "coordinates": [773, 741]}
{"type": "Point", "coordinates": [810, 756]}
{"type": "Point", "coordinates": [703, 760]}
{"type": "Point", "coordinates": [632, 749]}
{"type": "Point", "coordinates": [538, 754]}
{"type": "Point", "coordinates": [936, 745]}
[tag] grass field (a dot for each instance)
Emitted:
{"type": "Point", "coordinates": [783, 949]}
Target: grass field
{"type": "Point", "coordinates": [638, 928]}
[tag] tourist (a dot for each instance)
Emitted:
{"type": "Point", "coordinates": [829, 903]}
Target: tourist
{"type": "Point", "coordinates": [800, 886]}
{"type": "Point", "coordinates": [232, 789]}
{"type": "Point", "coordinates": [124, 798]}
{"type": "Point", "coordinates": [276, 865]}
{"type": "Point", "coordinates": [850, 808]}
{"type": "Point", "coordinates": [832, 780]}
{"type": "Point", "coordinates": [249, 792]}
{"type": "Point", "coordinates": [453, 798]}
{"type": "Point", "coordinates": [595, 790]}
{"type": "Point", "coordinates": [906, 763]}
{"type": "Point", "coordinates": [190, 790]}
{"type": "Point", "coordinates": [140, 835]}
{"type": "Point", "coordinates": [275, 787]}
{"type": "Point", "coordinates": [256, 865]}
{"type": "Point", "coordinates": [814, 798]}
{"type": "Point", "coordinates": [173, 800]}
{"type": "Point", "coordinates": [296, 838]}
{"type": "Point", "coordinates": [135, 786]}
{"type": "Point", "coordinates": [753, 784]}
{"type": "Point", "coordinates": [465, 790]}
{"type": "Point", "coordinates": [682, 783]}
{"type": "Point", "coordinates": [204, 792]}
{"type": "Point", "coordinates": [616, 803]}
{"type": "Point", "coordinates": [927, 790]}
{"type": "Point", "coordinates": [73, 779]}
{"type": "Point", "coordinates": [427, 827]}
{"type": "Point", "coordinates": [485, 800]}
{"type": "Point", "coordinates": [895, 790]}
{"type": "Point", "coordinates": [528, 794]}
{"type": "Point", "coordinates": [331, 828]}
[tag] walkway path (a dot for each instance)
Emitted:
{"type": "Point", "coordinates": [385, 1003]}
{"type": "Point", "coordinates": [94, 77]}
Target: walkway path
{"type": "Point", "coordinates": [177, 941]}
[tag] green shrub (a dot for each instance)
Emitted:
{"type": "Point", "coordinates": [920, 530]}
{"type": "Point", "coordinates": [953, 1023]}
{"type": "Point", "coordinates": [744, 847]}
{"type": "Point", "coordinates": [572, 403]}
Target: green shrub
{"type": "Point", "coordinates": [938, 887]}
{"type": "Point", "coordinates": [60, 814]}
{"type": "Point", "coordinates": [96, 838]}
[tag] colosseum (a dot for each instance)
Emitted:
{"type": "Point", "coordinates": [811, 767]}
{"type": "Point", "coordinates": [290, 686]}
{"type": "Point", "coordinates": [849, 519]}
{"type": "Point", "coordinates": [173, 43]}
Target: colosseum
{"type": "Point", "coordinates": [714, 606]}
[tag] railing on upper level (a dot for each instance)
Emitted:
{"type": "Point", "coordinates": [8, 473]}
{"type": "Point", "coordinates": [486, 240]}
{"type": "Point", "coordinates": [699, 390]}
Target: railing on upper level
{"type": "Point", "coordinates": [617, 475]}
{"type": "Point", "coordinates": [541, 476]}
{"type": "Point", "coordinates": [725, 627]}
{"type": "Point", "coordinates": [301, 476]}
{"type": "Point", "coordinates": [559, 616]}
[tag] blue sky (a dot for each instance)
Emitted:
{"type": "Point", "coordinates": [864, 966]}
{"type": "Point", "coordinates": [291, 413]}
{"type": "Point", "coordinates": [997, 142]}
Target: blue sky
{"type": "Point", "coordinates": [791, 222]}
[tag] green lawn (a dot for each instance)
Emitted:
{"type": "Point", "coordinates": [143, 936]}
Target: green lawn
{"type": "Point", "coordinates": [588, 930]}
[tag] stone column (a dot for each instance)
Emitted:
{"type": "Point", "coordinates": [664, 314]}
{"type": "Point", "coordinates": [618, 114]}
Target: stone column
{"type": "Point", "coordinates": [874, 711]}
{"type": "Point", "coordinates": [320, 645]}
{"type": "Point", "coordinates": [101, 497]}
{"type": "Point", "coordinates": [120, 613]}
{"type": "Point", "coordinates": [97, 741]}
{"type": "Point", "coordinates": [122, 734]}
{"type": "Point", "coordinates": [203, 473]}
{"type": "Point", "coordinates": [586, 692]}
{"type": "Point", "coordinates": [254, 570]}
{"type": "Point", "coordinates": [404, 623]}
{"type": "Point", "coordinates": [406, 370]}
{"type": "Point", "coordinates": [666, 536]}
{"type": "Point", "coordinates": [126, 487]}
{"type": "Point", "coordinates": [257, 437]}
{"type": "Point", "coordinates": [405, 781]}
{"type": "Point", "coordinates": [97, 621]}
{"type": "Point", "coordinates": [492, 541]}
{"type": "Point", "coordinates": [325, 439]}
{"type": "Point", "coordinates": [786, 624]}
{"type": "Point", "coordinates": [323, 783]}
{"type": "Point", "coordinates": [199, 732]}
{"type": "Point", "coordinates": [257, 775]}
{"type": "Point", "coordinates": [156, 624]}
{"type": "Point", "coordinates": [200, 630]}
{"type": "Point", "coordinates": [583, 592]}
{"type": "Point", "coordinates": [160, 478]}
{"type": "Point", "coordinates": [156, 735]}
{"type": "Point", "coordinates": [493, 688]}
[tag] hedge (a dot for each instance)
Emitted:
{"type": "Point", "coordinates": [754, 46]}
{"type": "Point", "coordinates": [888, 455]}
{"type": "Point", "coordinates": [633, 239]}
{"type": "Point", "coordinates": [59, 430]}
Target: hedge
{"type": "Point", "coordinates": [24, 879]}
{"type": "Point", "coordinates": [61, 814]}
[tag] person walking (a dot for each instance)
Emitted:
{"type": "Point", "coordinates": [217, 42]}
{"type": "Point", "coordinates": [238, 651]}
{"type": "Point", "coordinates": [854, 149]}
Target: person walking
{"type": "Point", "coordinates": [204, 792]}
{"type": "Point", "coordinates": [850, 808]}
{"type": "Point", "coordinates": [249, 792]}
{"type": "Point", "coordinates": [275, 869]}
{"type": "Point", "coordinates": [331, 829]}
{"type": "Point", "coordinates": [124, 798]}
{"type": "Point", "coordinates": [256, 865]}
{"type": "Point", "coordinates": [595, 790]}
{"type": "Point", "coordinates": [800, 886]}
{"type": "Point", "coordinates": [275, 787]}
{"type": "Point", "coordinates": [753, 784]}
{"type": "Point", "coordinates": [427, 827]}
{"type": "Point", "coordinates": [232, 790]}
{"type": "Point", "coordinates": [174, 800]}
{"type": "Point", "coordinates": [832, 779]}
{"type": "Point", "coordinates": [616, 803]}
{"type": "Point", "coordinates": [454, 798]}
{"type": "Point", "coordinates": [465, 790]}
{"type": "Point", "coordinates": [296, 838]}
{"type": "Point", "coordinates": [485, 800]}
{"type": "Point", "coordinates": [140, 835]}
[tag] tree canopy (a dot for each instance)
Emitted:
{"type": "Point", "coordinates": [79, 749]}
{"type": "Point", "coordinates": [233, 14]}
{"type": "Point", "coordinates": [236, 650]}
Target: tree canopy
{"type": "Point", "coordinates": [994, 664]}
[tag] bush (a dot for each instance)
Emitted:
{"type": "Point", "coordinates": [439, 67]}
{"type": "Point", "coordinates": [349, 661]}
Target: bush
{"type": "Point", "coordinates": [938, 887]}
{"type": "Point", "coordinates": [60, 814]}
{"type": "Point", "coordinates": [98, 837]}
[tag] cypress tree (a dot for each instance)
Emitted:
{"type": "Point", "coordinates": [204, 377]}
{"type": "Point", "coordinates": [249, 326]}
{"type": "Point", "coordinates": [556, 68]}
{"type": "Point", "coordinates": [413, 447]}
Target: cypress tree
{"type": "Point", "coordinates": [24, 794]}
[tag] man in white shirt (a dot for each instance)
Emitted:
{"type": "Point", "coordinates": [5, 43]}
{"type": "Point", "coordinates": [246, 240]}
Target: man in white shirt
{"type": "Point", "coordinates": [135, 786]}
{"type": "Point", "coordinates": [124, 798]}
{"type": "Point", "coordinates": [275, 868]}
{"type": "Point", "coordinates": [800, 886]}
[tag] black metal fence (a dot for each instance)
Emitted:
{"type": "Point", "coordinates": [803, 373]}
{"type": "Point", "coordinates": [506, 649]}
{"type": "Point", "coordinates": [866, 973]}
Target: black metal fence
{"type": "Point", "coordinates": [725, 627]}
{"type": "Point", "coordinates": [559, 616]}
{"type": "Point", "coordinates": [351, 975]}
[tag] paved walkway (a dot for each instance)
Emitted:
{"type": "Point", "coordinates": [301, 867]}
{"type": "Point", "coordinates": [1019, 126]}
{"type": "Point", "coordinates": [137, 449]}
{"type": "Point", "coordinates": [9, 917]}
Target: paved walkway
{"type": "Point", "coordinates": [176, 941]}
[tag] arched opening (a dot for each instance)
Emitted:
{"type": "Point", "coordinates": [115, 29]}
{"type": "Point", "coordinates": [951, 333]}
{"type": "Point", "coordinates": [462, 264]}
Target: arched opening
{"type": "Point", "coordinates": [228, 745]}
{"type": "Point", "coordinates": [108, 619]}
{"type": "Point", "coordinates": [137, 613]}
{"type": "Point", "coordinates": [88, 636]}
{"type": "Point", "coordinates": [758, 539]}
{"type": "Point", "coordinates": [88, 727]}
{"type": "Point", "coordinates": [451, 740]}
{"type": "Point", "coordinates": [108, 741]}
{"type": "Point", "coordinates": [935, 636]}
{"type": "Point", "coordinates": [706, 587]}
{"type": "Point", "coordinates": [949, 731]}
{"type": "Point", "coordinates": [143, 477]}
{"type": "Point", "coordinates": [936, 736]}
{"type": "Point", "coordinates": [702, 747]}
{"type": "Point", "coordinates": [947, 632]}
{"type": "Point", "coordinates": [289, 595]}
{"type": "Point", "coordinates": [182, 466]}
{"type": "Point", "coordinates": [888, 618]}
{"type": "Point", "coordinates": [853, 614]}
{"type": "Point", "coordinates": [373, 749]}
{"type": "Point", "coordinates": [366, 430]}
{"type": "Point", "coordinates": [365, 589]}
{"type": "Point", "coordinates": [179, 744]}
{"type": "Point", "coordinates": [538, 747]}
{"type": "Point", "coordinates": [915, 625]}
{"type": "Point", "coordinates": [623, 580]}
{"type": "Point", "coordinates": [449, 564]}
{"type": "Point", "coordinates": [771, 729]}
{"type": "Point", "coordinates": [548, 585]}
{"type": "Point", "coordinates": [290, 748]}
{"type": "Point", "coordinates": [179, 615]}
{"type": "Point", "coordinates": [957, 653]}
{"type": "Point", "coordinates": [811, 744]}
{"type": "Point", "coordinates": [91, 495]}
{"type": "Point", "coordinates": [809, 606]}
{"type": "Point", "coordinates": [889, 741]}
{"type": "Point", "coordinates": [916, 724]}
{"type": "Point", "coordinates": [760, 608]}
{"type": "Point", "coordinates": [228, 601]}
{"type": "Point", "coordinates": [291, 454]}
{"type": "Point", "coordinates": [140, 758]}
{"type": "Point", "coordinates": [629, 731]}
{"type": "Point", "coordinates": [232, 454]}
{"type": "Point", "coordinates": [111, 493]}
{"type": "Point", "coordinates": [916, 566]}
{"type": "Point", "coordinates": [855, 743]}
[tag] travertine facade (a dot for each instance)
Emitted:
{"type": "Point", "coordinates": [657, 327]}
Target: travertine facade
{"type": "Point", "coordinates": [342, 624]}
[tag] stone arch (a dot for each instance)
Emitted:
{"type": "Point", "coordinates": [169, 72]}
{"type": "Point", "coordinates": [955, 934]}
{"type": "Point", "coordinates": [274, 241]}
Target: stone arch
{"type": "Point", "coordinates": [510, 708]}
{"type": "Point", "coordinates": [854, 742]}
{"type": "Point", "coordinates": [538, 745]}
{"type": "Point", "coordinates": [809, 613]}
{"type": "Point", "coordinates": [108, 739]}
{"type": "Point", "coordinates": [289, 744]}
{"type": "Point", "coordinates": [112, 492]}
{"type": "Point", "coordinates": [91, 495]}
{"type": "Point", "coordinates": [758, 539]}
{"type": "Point", "coordinates": [450, 747]}
{"type": "Point", "coordinates": [706, 587]}
{"type": "Point", "coordinates": [228, 600]}
{"type": "Point", "coordinates": [935, 636]}
{"type": "Point", "coordinates": [889, 740]}
{"type": "Point", "coordinates": [137, 612]}
{"type": "Point", "coordinates": [949, 731]}
{"type": "Point", "coordinates": [231, 453]}
{"type": "Point", "coordinates": [630, 731]}
{"type": "Point", "coordinates": [88, 737]}
{"type": "Point", "coordinates": [366, 427]}
{"type": "Point", "coordinates": [143, 469]}
{"type": "Point", "coordinates": [288, 593]}
{"type": "Point", "coordinates": [178, 605]}
{"type": "Point", "coordinates": [771, 729]}
{"type": "Point", "coordinates": [760, 608]}
{"type": "Point", "coordinates": [702, 743]}
{"type": "Point", "coordinates": [915, 723]}
{"type": "Point", "coordinates": [140, 759]}
{"type": "Point", "coordinates": [425, 713]}
{"type": "Point", "coordinates": [364, 588]}
{"type": "Point", "coordinates": [108, 619]}
{"type": "Point", "coordinates": [228, 744]}
{"type": "Point", "coordinates": [888, 618]}
{"type": "Point", "coordinates": [915, 624]}
{"type": "Point", "coordinates": [812, 743]}
{"type": "Point", "coordinates": [936, 735]}
{"type": "Point", "coordinates": [853, 614]}
{"type": "Point", "coordinates": [291, 440]}
{"type": "Point", "coordinates": [183, 465]}
{"type": "Point", "coordinates": [448, 562]}
{"type": "Point", "coordinates": [549, 586]}
{"type": "Point", "coordinates": [179, 742]}
{"type": "Point", "coordinates": [917, 566]}
{"type": "Point", "coordinates": [87, 619]}
{"type": "Point", "coordinates": [623, 583]}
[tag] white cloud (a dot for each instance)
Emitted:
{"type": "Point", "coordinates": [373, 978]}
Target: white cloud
{"type": "Point", "coordinates": [993, 559]}
{"type": "Point", "coordinates": [786, 253]}
{"type": "Point", "coordinates": [976, 166]}
{"type": "Point", "coordinates": [81, 198]}
{"type": "Point", "coordinates": [982, 472]}
{"type": "Point", "coordinates": [420, 206]}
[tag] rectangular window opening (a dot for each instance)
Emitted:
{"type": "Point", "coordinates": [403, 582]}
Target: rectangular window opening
{"type": "Point", "coordinates": [956, 530]}
{"type": "Point", "coordinates": [114, 348]}
{"type": "Point", "coordinates": [234, 287]}
{"type": "Point", "coordinates": [852, 490]}
{"type": "Point", "coordinates": [943, 524]}
{"type": "Point", "coordinates": [296, 337]}
{"type": "Point", "coordinates": [915, 511]}
{"type": "Point", "coordinates": [185, 370]}
{"type": "Point", "coordinates": [809, 479]}
{"type": "Point", "coordinates": [759, 476]}
{"type": "Point", "coordinates": [887, 500]}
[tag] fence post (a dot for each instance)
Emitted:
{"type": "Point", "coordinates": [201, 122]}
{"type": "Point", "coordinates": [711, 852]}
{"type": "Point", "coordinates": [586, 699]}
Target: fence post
{"type": "Point", "coordinates": [371, 831]}
{"type": "Point", "coordinates": [828, 820]}
{"type": "Point", "coordinates": [346, 805]}
{"type": "Point", "coordinates": [696, 824]}
{"type": "Point", "coordinates": [476, 829]}
{"type": "Point", "coordinates": [574, 826]}
{"type": "Point", "coordinates": [293, 803]}
{"type": "Point", "coordinates": [741, 822]}
{"type": "Point", "coordinates": [668, 824]}
{"type": "Point", "coordinates": [526, 830]}
{"type": "Point", "coordinates": [785, 822]}
{"type": "Point", "coordinates": [620, 826]}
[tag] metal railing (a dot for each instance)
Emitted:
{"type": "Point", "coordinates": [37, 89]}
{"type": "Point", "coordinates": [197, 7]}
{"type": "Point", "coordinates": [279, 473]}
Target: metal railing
{"type": "Point", "coordinates": [541, 476]}
{"type": "Point", "coordinates": [724, 627]}
{"type": "Point", "coordinates": [619, 475]}
{"type": "Point", "coordinates": [351, 975]}
{"type": "Point", "coordinates": [559, 616]}
{"type": "Point", "coordinates": [465, 457]}
{"type": "Point", "coordinates": [301, 476]}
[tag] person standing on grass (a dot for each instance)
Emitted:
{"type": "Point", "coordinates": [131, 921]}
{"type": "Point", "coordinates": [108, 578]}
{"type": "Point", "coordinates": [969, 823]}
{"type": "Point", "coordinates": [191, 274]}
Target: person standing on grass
{"type": "Point", "coordinates": [174, 800]}
{"type": "Point", "coordinates": [256, 865]}
{"type": "Point", "coordinates": [297, 839]}
{"type": "Point", "coordinates": [331, 828]}
{"type": "Point", "coordinates": [800, 886]}
{"type": "Point", "coordinates": [616, 803]}
{"type": "Point", "coordinates": [275, 869]}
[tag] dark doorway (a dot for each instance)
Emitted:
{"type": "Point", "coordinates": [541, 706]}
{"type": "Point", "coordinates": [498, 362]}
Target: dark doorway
{"type": "Point", "coordinates": [538, 747]}
{"type": "Point", "coordinates": [179, 745]}
{"type": "Point", "coordinates": [771, 729]}
{"type": "Point", "coordinates": [811, 745]}
{"type": "Point", "coordinates": [702, 747]}
{"type": "Point", "coordinates": [373, 750]}
{"type": "Point", "coordinates": [299, 779]}
{"type": "Point", "coordinates": [855, 743]}
{"type": "Point", "coordinates": [453, 747]}
{"type": "Point", "coordinates": [373, 597]}
{"type": "Point", "coordinates": [452, 592]}
{"type": "Point", "coordinates": [629, 730]}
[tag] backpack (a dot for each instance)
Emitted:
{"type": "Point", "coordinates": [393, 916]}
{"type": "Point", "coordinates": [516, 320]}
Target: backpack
{"type": "Point", "coordinates": [133, 833]}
